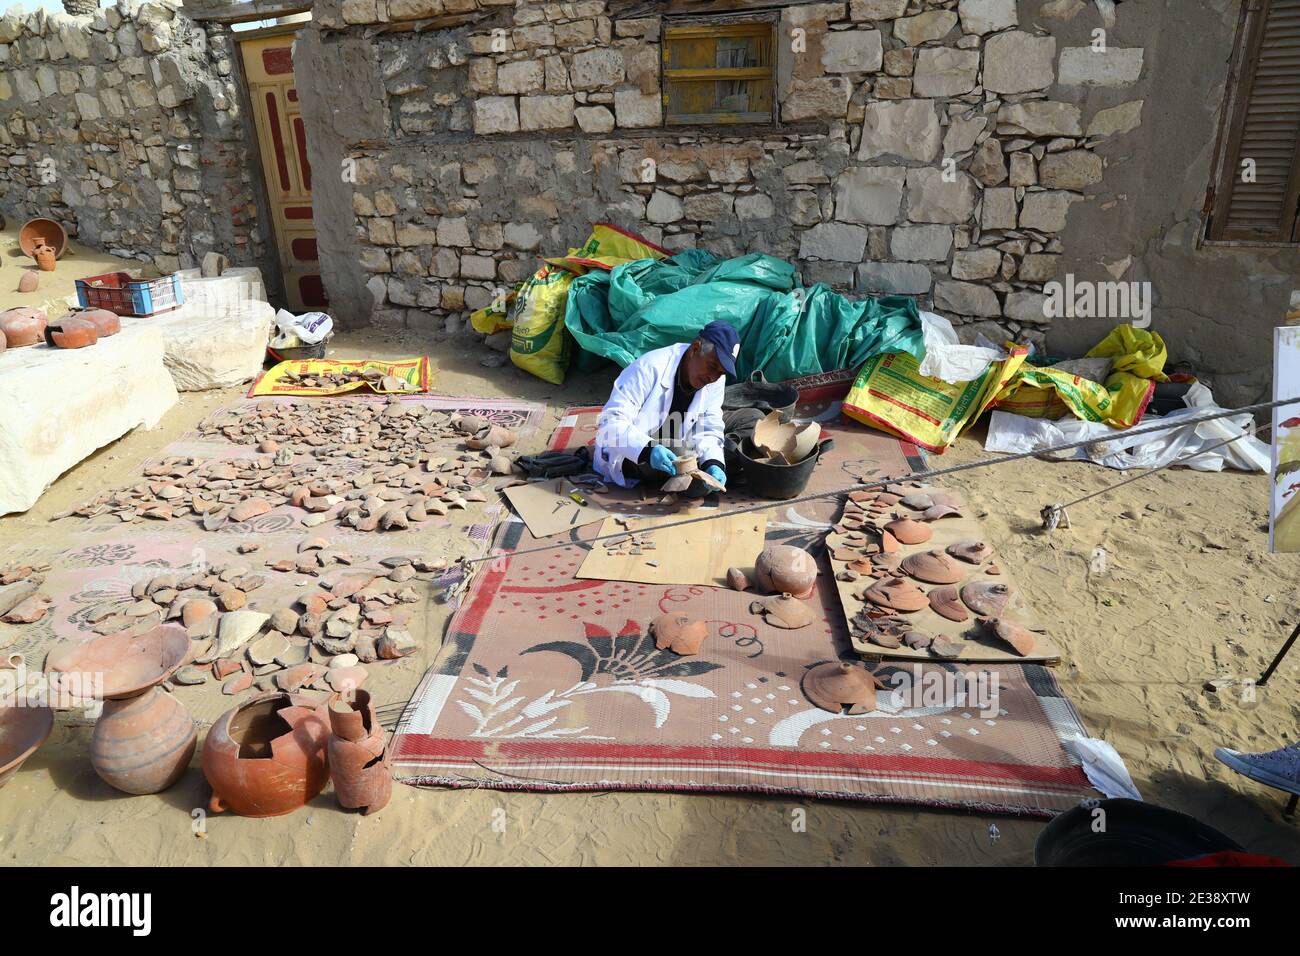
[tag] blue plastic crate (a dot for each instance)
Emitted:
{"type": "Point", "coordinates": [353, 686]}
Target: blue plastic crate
{"type": "Point", "coordinates": [119, 293]}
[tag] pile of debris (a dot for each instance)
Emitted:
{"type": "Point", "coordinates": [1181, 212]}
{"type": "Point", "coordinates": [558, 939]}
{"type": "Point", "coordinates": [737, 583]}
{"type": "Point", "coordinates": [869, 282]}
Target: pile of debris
{"type": "Point", "coordinates": [20, 599]}
{"type": "Point", "coordinates": [372, 377]}
{"type": "Point", "coordinates": [370, 466]}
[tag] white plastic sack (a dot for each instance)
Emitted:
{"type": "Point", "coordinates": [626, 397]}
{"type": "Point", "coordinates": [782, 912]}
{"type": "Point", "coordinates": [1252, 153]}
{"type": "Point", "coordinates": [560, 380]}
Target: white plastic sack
{"type": "Point", "coordinates": [294, 331]}
{"type": "Point", "coordinates": [946, 358]}
{"type": "Point", "coordinates": [1103, 766]}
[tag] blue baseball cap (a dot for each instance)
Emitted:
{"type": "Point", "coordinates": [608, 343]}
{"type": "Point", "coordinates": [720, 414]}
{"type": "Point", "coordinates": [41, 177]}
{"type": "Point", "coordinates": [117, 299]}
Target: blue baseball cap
{"type": "Point", "coordinates": [726, 344]}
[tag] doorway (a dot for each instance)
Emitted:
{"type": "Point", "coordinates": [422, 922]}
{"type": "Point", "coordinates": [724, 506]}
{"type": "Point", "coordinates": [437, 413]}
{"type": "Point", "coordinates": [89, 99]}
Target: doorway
{"type": "Point", "coordinates": [282, 144]}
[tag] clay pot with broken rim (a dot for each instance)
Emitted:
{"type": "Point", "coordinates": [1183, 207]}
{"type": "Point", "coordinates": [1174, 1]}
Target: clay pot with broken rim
{"type": "Point", "coordinates": [841, 687]}
{"type": "Point", "coordinates": [268, 756]}
{"type": "Point", "coordinates": [128, 663]}
{"type": "Point", "coordinates": [934, 567]}
{"type": "Point", "coordinates": [71, 332]}
{"type": "Point", "coordinates": [22, 326]}
{"type": "Point", "coordinates": [986, 598]}
{"type": "Point", "coordinates": [973, 552]}
{"type": "Point", "coordinates": [678, 633]}
{"type": "Point", "coordinates": [910, 531]}
{"type": "Point", "coordinates": [22, 731]}
{"type": "Point", "coordinates": [784, 611]}
{"type": "Point", "coordinates": [357, 756]}
{"type": "Point", "coordinates": [785, 569]}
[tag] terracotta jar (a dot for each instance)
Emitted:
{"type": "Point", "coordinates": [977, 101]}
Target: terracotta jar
{"type": "Point", "coordinates": [45, 256]}
{"type": "Point", "coordinates": [358, 758]}
{"type": "Point", "coordinates": [29, 281]}
{"type": "Point", "coordinates": [143, 744]}
{"type": "Point", "coordinates": [106, 322]}
{"type": "Point", "coordinates": [22, 731]}
{"type": "Point", "coordinates": [786, 570]}
{"type": "Point", "coordinates": [267, 756]}
{"type": "Point", "coordinates": [22, 326]}
{"type": "Point", "coordinates": [71, 333]}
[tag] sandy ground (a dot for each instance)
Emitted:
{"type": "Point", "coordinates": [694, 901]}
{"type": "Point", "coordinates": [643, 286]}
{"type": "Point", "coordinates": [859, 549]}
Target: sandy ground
{"type": "Point", "coordinates": [1186, 591]}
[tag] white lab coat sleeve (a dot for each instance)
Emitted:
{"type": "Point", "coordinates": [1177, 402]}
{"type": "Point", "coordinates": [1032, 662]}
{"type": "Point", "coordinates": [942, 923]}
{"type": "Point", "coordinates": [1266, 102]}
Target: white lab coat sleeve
{"type": "Point", "coordinates": [618, 435]}
{"type": "Point", "coordinates": [708, 433]}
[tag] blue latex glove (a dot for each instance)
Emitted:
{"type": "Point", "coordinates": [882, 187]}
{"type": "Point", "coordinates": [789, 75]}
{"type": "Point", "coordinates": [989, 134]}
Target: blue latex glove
{"type": "Point", "coordinates": [717, 474]}
{"type": "Point", "coordinates": [661, 459]}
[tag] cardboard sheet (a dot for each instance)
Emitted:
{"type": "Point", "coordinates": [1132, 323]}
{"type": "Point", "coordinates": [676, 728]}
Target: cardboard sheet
{"type": "Point", "coordinates": [693, 554]}
{"type": "Point", "coordinates": [547, 509]}
{"type": "Point", "coordinates": [977, 645]}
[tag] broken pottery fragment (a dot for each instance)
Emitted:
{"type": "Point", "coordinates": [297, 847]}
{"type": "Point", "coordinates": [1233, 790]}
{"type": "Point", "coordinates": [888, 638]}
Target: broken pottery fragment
{"type": "Point", "coordinates": [71, 333]}
{"type": "Point", "coordinates": [946, 647]}
{"type": "Point", "coordinates": [946, 602]}
{"type": "Point", "coordinates": [106, 323]}
{"type": "Point", "coordinates": [784, 611]}
{"type": "Point", "coordinates": [1021, 639]}
{"type": "Point", "coordinates": [236, 628]}
{"type": "Point", "coordinates": [678, 633]}
{"type": "Point", "coordinates": [22, 326]}
{"type": "Point", "coordinates": [250, 508]}
{"type": "Point", "coordinates": [841, 687]}
{"type": "Point", "coordinates": [898, 594]}
{"type": "Point", "coordinates": [358, 759]}
{"type": "Point", "coordinates": [986, 598]}
{"type": "Point", "coordinates": [910, 531]}
{"type": "Point", "coordinates": [736, 579]}
{"type": "Point", "coordinates": [786, 570]}
{"type": "Point", "coordinates": [934, 567]}
{"type": "Point", "coordinates": [29, 281]}
{"type": "Point", "coordinates": [974, 552]}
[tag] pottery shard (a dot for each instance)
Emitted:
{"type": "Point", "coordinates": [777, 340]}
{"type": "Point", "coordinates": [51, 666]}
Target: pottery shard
{"type": "Point", "coordinates": [785, 611]}
{"type": "Point", "coordinates": [946, 602]}
{"type": "Point", "coordinates": [909, 531]}
{"type": "Point", "coordinates": [1021, 639]}
{"type": "Point", "coordinates": [285, 620]}
{"type": "Point", "coordinates": [898, 594]}
{"type": "Point", "coordinates": [28, 611]}
{"type": "Point", "coordinates": [986, 598]}
{"type": "Point", "coordinates": [11, 595]}
{"type": "Point", "coordinates": [106, 323]}
{"type": "Point", "coordinates": [236, 628]}
{"type": "Point", "coordinates": [266, 649]}
{"type": "Point", "coordinates": [678, 633]}
{"type": "Point", "coordinates": [195, 610]}
{"type": "Point", "coordinates": [237, 684]}
{"type": "Point", "coordinates": [29, 282]}
{"type": "Point", "coordinates": [736, 579]}
{"type": "Point", "coordinates": [934, 567]}
{"type": "Point", "coordinates": [974, 552]}
{"type": "Point", "coordinates": [840, 686]}
{"type": "Point", "coordinates": [343, 680]}
{"type": "Point", "coordinates": [249, 509]}
{"type": "Point", "coordinates": [72, 333]}
{"type": "Point", "coordinates": [395, 644]}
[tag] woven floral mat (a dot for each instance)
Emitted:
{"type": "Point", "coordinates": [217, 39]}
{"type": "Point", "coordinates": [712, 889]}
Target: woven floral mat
{"type": "Point", "coordinates": [551, 683]}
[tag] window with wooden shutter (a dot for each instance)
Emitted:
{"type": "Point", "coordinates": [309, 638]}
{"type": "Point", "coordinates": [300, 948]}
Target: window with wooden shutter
{"type": "Point", "coordinates": [1258, 188]}
{"type": "Point", "coordinates": [718, 73]}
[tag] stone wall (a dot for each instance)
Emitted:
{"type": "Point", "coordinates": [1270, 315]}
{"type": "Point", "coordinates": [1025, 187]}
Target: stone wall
{"type": "Point", "coordinates": [127, 127]}
{"type": "Point", "coordinates": [926, 147]}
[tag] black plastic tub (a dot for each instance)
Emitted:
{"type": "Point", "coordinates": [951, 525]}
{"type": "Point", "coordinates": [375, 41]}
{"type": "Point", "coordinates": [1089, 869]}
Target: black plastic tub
{"type": "Point", "coordinates": [1128, 833]}
{"type": "Point", "coordinates": [759, 393]}
{"type": "Point", "coordinates": [768, 480]}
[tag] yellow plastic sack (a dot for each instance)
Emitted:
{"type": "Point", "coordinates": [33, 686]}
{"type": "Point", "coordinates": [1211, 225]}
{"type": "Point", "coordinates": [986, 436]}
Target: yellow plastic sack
{"type": "Point", "coordinates": [540, 344]}
{"type": "Point", "coordinates": [495, 316]}
{"type": "Point", "coordinates": [1139, 359]}
{"type": "Point", "coordinates": [891, 394]}
{"type": "Point", "coordinates": [608, 246]}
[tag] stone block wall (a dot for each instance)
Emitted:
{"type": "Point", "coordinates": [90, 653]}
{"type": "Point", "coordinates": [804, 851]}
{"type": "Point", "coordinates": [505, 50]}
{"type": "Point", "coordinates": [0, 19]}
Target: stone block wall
{"type": "Point", "coordinates": [127, 127]}
{"type": "Point", "coordinates": [926, 147]}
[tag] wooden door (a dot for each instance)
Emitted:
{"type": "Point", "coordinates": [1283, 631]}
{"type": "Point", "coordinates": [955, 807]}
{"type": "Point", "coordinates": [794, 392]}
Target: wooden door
{"type": "Point", "coordinates": [282, 142]}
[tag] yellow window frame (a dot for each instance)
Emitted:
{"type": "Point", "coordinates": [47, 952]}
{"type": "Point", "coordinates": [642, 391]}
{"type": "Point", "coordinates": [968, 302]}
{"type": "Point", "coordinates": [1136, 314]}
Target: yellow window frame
{"type": "Point", "coordinates": [762, 30]}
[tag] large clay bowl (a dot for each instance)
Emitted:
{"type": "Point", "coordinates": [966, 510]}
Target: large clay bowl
{"type": "Point", "coordinates": [22, 731]}
{"type": "Point", "coordinates": [267, 756]}
{"type": "Point", "coordinates": [36, 230]}
{"type": "Point", "coordinates": [143, 744]}
{"type": "Point", "coordinates": [128, 664]}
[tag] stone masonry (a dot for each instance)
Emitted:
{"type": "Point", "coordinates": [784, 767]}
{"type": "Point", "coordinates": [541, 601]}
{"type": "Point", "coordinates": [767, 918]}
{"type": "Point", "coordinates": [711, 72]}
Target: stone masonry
{"type": "Point", "coordinates": [922, 147]}
{"type": "Point", "coordinates": [127, 127]}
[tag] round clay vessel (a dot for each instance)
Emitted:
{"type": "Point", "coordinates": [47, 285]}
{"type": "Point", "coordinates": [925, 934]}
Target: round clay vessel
{"type": "Point", "coordinates": [358, 758]}
{"type": "Point", "coordinates": [836, 685]}
{"type": "Point", "coordinates": [128, 663]}
{"type": "Point", "coordinates": [22, 326]}
{"type": "Point", "coordinates": [934, 567]}
{"type": "Point", "coordinates": [975, 552]}
{"type": "Point", "coordinates": [44, 256]}
{"type": "Point", "coordinates": [30, 281]}
{"type": "Point", "coordinates": [678, 633]}
{"type": "Point", "coordinates": [71, 333]}
{"type": "Point", "coordinates": [986, 598]}
{"type": "Point", "coordinates": [106, 323]}
{"type": "Point", "coordinates": [22, 731]}
{"type": "Point", "coordinates": [267, 756]}
{"type": "Point", "coordinates": [37, 231]}
{"type": "Point", "coordinates": [143, 744]}
{"type": "Point", "coordinates": [909, 531]}
{"type": "Point", "coordinates": [786, 570]}
{"type": "Point", "coordinates": [898, 594]}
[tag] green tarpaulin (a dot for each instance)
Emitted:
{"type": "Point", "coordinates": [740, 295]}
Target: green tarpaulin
{"type": "Point", "coordinates": [785, 330]}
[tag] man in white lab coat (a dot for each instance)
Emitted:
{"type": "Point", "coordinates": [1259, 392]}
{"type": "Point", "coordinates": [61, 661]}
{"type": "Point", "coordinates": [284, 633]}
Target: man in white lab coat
{"type": "Point", "coordinates": [668, 402]}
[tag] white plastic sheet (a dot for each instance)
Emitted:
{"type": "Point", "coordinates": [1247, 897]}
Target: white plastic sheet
{"type": "Point", "coordinates": [1114, 448]}
{"type": "Point", "coordinates": [946, 358]}
{"type": "Point", "coordinates": [1103, 766]}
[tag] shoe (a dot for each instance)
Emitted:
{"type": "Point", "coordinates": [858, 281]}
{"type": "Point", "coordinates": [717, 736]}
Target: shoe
{"type": "Point", "coordinates": [1278, 768]}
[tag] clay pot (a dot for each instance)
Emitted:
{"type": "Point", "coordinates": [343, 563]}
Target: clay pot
{"type": "Point", "coordinates": [267, 757]}
{"type": "Point", "coordinates": [143, 744]}
{"type": "Point", "coordinates": [71, 333]}
{"type": "Point", "coordinates": [37, 232]}
{"type": "Point", "coordinates": [358, 759]}
{"type": "Point", "coordinates": [975, 552]}
{"type": "Point", "coordinates": [22, 731]}
{"type": "Point", "coordinates": [128, 663]}
{"type": "Point", "coordinates": [29, 282]}
{"type": "Point", "coordinates": [22, 326]}
{"type": "Point", "coordinates": [678, 633]}
{"type": "Point", "coordinates": [44, 256]}
{"type": "Point", "coordinates": [106, 323]}
{"type": "Point", "coordinates": [841, 686]}
{"type": "Point", "coordinates": [786, 570]}
{"type": "Point", "coordinates": [934, 567]}
{"type": "Point", "coordinates": [898, 594]}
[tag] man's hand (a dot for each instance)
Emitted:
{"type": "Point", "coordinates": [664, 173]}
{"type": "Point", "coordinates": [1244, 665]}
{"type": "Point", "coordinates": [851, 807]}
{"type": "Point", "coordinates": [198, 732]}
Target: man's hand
{"type": "Point", "coordinates": [717, 474]}
{"type": "Point", "coordinates": [661, 459]}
